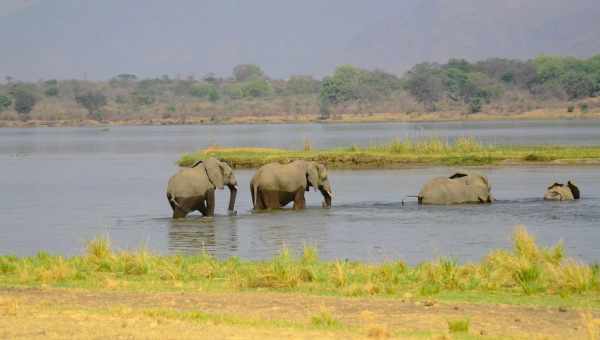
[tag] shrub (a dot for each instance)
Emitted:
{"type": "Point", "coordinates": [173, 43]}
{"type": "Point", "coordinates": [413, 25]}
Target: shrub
{"type": "Point", "coordinates": [5, 102]}
{"type": "Point", "coordinates": [458, 326]}
{"type": "Point", "coordinates": [256, 88]}
{"type": "Point", "coordinates": [92, 102]}
{"type": "Point", "coordinates": [51, 91]}
{"type": "Point", "coordinates": [475, 105]}
{"type": "Point", "coordinates": [24, 101]}
{"type": "Point", "coordinates": [324, 319]}
{"type": "Point", "coordinates": [584, 107]}
{"type": "Point", "coordinates": [208, 91]}
{"type": "Point", "coordinates": [246, 72]}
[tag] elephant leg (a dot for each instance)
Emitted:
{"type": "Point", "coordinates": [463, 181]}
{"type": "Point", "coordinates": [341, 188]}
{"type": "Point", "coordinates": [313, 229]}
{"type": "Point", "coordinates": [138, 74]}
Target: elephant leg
{"type": "Point", "coordinates": [210, 203]}
{"type": "Point", "coordinates": [299, 200]}
{"type": "Point", "coordinates": [270, 199]}
{"type": "Point", "coordinates": [178, 213]}
{"type": "Point", "coordinates": [201, 207]}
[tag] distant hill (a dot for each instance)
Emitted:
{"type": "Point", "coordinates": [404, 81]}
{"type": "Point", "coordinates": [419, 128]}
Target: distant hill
{"type": "Point", "coordinates": [99, 39]}
{"type": "Point", "coordinates": [436, 30]}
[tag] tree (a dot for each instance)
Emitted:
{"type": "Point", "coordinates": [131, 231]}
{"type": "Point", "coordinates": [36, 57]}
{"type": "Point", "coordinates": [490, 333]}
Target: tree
{"type": "Point", "coordinates": [92, 102]}
{"type": "Point", "coordinates": [5, 102]}
{"type": "Point", "coordinates": [208, 91]}
{"type": "Point", "coordinates": [301, 85]}
{"type": "Point", "coordinates": [256, 88]}
{"type": "Point", "coordinates": [577, 84]}
{"type": "Point", "coordinates": [246, 72]}
{"type": "Point", "coordinates": [426, 83]}
{"type": "Point", "coordinates": [24, 101]}
{"type": "Point", "coordinates": [341, 86]}
{"type": "Point", "coordinates": [51, 88]}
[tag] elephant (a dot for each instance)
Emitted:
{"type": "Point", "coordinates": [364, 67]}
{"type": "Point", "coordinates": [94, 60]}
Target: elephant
{"type": "Point", "coordinates": [275, 185]}
{"type": "Point", "coordinates": [194, 188]}
{"type": "Point", "coordinates": [461, 187]}
{"type": "Point", "coordinates": [562, 192]}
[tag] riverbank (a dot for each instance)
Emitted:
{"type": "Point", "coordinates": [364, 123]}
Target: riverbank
{"type": "Point", "coordinates": [51, 313]}
{"type": "Point", "coordinates": [526, 291]}
{"type": "Point", "coordinates": [464, 151]}
{"type": "Point", "coordinates": [193, 119]}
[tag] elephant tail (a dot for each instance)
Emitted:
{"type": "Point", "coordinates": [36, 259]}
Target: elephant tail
{"type": "Point", "coordinates": [252, 194]}
{"type": "Point", "coordinates": [173, 202]}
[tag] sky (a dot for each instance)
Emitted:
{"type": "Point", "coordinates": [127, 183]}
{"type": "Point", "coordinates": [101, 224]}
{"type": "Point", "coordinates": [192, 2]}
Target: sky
{"type": "Point", "coordinates": [97, 39]}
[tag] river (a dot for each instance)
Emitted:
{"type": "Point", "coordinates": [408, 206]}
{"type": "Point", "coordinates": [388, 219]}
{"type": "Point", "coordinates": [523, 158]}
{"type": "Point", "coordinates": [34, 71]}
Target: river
{"type": "Point", "coordinates": [63, 186]}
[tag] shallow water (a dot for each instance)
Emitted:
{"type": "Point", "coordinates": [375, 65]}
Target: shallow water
{"type": "Point", "coordinates": [61, 187]}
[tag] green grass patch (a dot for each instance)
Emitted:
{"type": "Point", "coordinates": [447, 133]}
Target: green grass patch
{"type": "Point", "coordinates": [458, 326]}
{"type": "Point", "coordinates": [464, 151]}
{"type": "Point", "coordinates": [525, 274]}
{"type": "Point", "coordinates": [324, 319]}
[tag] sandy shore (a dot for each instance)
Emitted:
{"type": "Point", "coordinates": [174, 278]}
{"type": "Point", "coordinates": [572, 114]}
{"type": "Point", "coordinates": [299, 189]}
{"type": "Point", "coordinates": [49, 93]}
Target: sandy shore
{"type": "Point", "coordinates": [299, 119]}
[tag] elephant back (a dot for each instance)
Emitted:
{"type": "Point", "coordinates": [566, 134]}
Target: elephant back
{"type": "Point", "coordinates": [189, 182]}
{"type": "Point", "coordinates": [280, 177]}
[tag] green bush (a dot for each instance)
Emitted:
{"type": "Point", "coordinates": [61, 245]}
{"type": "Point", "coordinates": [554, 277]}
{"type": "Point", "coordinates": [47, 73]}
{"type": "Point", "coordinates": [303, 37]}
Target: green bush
{"type": "Point", "coordinates": [5, 102]}
{"type": "Point", "coordinates": [92, 102]}
{"type": "Point", "coordinates": [25, 100]}
{"type": "Point", "coordinates": [256, 88]}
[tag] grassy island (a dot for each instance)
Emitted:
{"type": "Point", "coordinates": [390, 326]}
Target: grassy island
{"type": "Point", "coordinates": [465, 151]}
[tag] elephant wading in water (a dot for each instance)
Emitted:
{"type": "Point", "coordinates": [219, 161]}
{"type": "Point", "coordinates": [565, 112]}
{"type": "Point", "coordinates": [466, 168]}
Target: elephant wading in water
{"type": "Point", "coordinates": [275, 185]}
{"type": "Point", "coordinates": [194, 188]}
{"type": "Point", "coordinates": [561, 192]}
{"type": "Point", "coordinates": [462, 187]}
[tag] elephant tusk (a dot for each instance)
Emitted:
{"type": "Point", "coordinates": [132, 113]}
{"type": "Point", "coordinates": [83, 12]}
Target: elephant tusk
{"type": "Point", "coordinates": [331, 195]}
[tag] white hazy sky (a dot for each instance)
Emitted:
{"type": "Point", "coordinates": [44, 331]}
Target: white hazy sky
{"type": "Point", "coordinates": [43, 39]}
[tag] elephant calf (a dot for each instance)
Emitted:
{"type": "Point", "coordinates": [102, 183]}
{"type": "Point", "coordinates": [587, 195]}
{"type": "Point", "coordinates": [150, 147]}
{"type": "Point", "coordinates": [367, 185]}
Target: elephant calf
{"type": "Point", "coordinates": [275, 185]}
{"type": "Point", "coordinates": [462, 187]}
{"type": "Point", "coordinates": [194, 188]}
{"type": "Point", "coordinates": [561, 192]}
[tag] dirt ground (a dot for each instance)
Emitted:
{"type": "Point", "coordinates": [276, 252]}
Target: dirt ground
{"type": "Point", "coordinates": [71, 313]}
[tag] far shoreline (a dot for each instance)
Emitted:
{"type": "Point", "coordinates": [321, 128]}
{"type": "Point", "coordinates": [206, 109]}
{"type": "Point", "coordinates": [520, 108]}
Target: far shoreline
{"type": "Point", "coordinates": [435, 117]}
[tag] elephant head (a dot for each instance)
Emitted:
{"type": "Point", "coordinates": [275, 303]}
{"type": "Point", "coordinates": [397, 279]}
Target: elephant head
{"type": "Point", "coordinates": [562, 192]}
{"type": "Point", "coordinates": [220, 174]}
{"type": "Point", "coordinates": [461, 187]}
{"type": "Point", "coordinates": [316, 176]}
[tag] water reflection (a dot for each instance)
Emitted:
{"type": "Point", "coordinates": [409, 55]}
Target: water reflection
{"type": "Point", "coordinates": [195, 234]}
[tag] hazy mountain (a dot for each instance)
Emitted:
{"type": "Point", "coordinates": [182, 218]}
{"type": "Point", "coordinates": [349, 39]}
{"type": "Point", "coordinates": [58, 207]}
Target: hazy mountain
{"type": "Point", "coordinates": [98, 39]}
{"type": "Point", "coordinates": [436, 30]}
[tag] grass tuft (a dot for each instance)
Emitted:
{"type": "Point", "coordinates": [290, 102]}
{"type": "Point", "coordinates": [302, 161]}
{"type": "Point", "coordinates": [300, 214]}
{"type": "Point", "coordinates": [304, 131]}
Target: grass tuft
{"type": "Point", "coordinates": [324, 319]}
{"type": "Point", "coordinates": [526, 270]}
{"type": "Point", "coordinates": [458, 326]}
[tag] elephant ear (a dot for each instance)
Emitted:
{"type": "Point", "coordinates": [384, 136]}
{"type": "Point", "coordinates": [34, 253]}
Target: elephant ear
{"type": "Point", "coordinates": [574, 190]}
{"type": "Point", "coordinates": [312, 175]}
{"type": "Point", "coordinates": [554, 185]}
{"type": "Point", "coordinates": [214, 172]}
{"type": "Point", "coordinates": [197, 163]}
{"type": "Point", "coordinates": [458, 175]}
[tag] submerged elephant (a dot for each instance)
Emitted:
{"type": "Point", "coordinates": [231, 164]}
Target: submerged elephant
{"type": "Point", "coordinates": [194, 188]}
{"type": "Point", "coordinates": [562, 192]}
{"type": "Point", "coordinates": [275, 185]}
{"type": "Point", "coordinates": [461, 187]}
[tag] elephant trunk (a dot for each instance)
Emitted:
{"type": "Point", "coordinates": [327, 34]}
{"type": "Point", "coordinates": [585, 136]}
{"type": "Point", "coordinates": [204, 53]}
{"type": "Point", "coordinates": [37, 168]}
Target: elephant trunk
{"type": "Point", "coordinates": [327, 195]}
{"type": "Point", "coordinates": [232, 195]}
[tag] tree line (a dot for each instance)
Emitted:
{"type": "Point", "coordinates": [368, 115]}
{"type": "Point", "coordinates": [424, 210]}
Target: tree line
{"type": "Point", "coordinates": [457, 83]}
